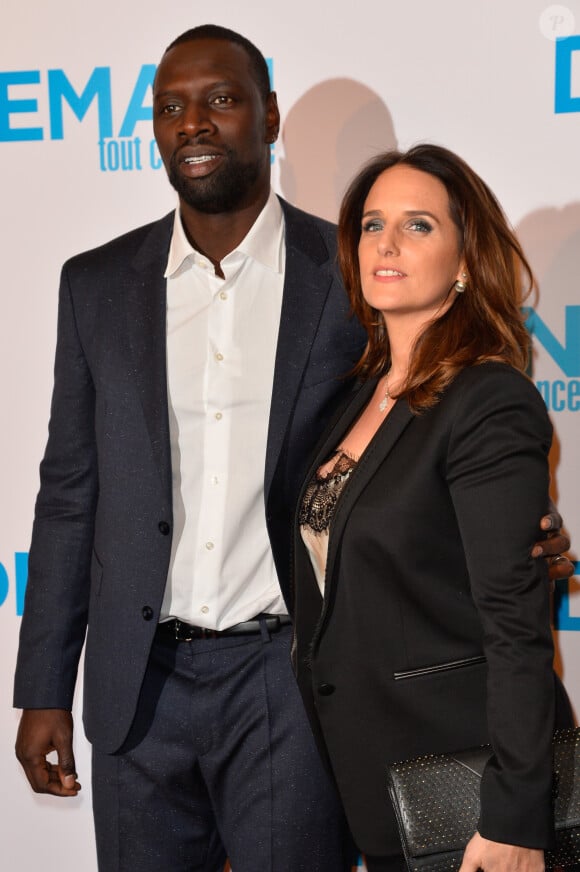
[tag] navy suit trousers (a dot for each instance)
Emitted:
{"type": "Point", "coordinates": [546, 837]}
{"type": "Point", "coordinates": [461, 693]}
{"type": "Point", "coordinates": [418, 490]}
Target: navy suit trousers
{"type": "Point", "coordinates": [220, 762]}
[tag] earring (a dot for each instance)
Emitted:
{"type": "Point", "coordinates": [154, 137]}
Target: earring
{"type": "Point", "coordinates": [460, 286]}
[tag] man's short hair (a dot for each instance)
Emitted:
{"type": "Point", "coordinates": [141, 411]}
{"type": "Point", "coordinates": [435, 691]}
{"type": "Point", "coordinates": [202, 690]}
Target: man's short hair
{"type": "Point", "coordinates": [215, 31]}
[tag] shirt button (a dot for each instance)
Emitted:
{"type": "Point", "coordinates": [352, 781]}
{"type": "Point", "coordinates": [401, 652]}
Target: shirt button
{"type": "Point", "coordinates": [202, 264]}
{"type": "Point", "coordinates": [209, 546]}
{"type": "Point", "coordinates": [204, 610]}
{"type": "Point", "coordinates": [326, 689]}
{"type": "Point", "coordinates": [223, 295]}
{"type": "Point", "coordinates": [218, 416]}
{"type": "Point", "coordinates": [215, 480]}
{"type": "Point", "coordinates": [219, 356]}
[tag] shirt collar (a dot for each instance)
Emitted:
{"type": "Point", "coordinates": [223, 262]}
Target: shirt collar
{"type": "Point", "coordinates": [263, 241]}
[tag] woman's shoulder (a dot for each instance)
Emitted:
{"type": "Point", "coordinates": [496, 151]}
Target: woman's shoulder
{"type": "Point", "coordinates": [492, 370]}
{"type": "Point", "coordinates": [495, 378]}
{"type": "Point", "coordinates": [488, 392]}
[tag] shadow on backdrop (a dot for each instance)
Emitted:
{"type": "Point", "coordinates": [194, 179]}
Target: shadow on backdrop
{"type": "Point", "coordinates": [333, 129]}
{"type": "Point", "coordinates": [551, 240]}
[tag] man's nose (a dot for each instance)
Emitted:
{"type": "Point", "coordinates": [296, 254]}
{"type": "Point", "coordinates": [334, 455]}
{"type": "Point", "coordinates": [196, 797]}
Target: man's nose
{"type": "Point", "coordinates": [195, 119]}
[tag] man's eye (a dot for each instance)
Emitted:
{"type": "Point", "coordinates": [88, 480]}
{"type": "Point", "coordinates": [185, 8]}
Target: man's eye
{"type": "Point", "coordinates": [222, 100]}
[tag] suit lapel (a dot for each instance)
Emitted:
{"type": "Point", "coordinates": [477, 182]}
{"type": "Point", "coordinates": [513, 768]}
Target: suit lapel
{"type": "Point", "coordinates": [343, 420]}
{"type": "Point", "coordinates": [307, 278]}
{"type": "Point", "coordinates": [146, 325]}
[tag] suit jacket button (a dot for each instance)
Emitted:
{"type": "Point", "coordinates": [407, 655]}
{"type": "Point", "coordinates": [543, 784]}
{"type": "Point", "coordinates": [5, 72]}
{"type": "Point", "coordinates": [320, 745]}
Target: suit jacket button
{"type": "Point", "coordinates": [147, 613]}
{"type": "Point", "coordinates": [164, 528]}
{"type": "Point", "coordinates": [326, 689]}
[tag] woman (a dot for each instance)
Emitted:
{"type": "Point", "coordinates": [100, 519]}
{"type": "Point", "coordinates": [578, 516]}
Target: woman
{"type": "Point", "coordinates": [411, 636]}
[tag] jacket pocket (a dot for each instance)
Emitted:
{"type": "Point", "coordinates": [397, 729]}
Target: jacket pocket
{"type": "Point", "coordinates": [439, 667]}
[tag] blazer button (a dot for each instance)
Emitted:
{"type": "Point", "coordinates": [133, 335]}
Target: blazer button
{"type": "Point", "coordinates": [326, 689]}
{"type": "Point", "coordinates": [147, 613]}
{"type": "Point", "coordinates": [164, 528]}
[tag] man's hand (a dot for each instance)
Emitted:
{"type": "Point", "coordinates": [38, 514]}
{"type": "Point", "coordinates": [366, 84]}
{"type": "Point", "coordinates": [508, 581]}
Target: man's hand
{"type": "Point", "coordinates": [42, 731]}
{"type": "Point", "coordinates": [552, 546]}
{"type": "Point", "coordinates": [490, 856]}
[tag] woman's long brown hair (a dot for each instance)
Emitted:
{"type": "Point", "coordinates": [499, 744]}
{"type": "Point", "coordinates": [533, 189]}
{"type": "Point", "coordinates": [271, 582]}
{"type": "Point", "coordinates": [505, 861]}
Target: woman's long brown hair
{"type": "Point", "coordinates": [485, 322]}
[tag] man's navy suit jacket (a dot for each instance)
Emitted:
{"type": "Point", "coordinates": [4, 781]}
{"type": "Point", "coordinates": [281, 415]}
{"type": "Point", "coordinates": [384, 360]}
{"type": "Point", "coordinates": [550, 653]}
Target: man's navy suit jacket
{"type": "Point", "coordinates": [102, 532]}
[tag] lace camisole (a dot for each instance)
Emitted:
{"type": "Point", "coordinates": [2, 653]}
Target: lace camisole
{"type": "Point", "coordinates": [318, 508]}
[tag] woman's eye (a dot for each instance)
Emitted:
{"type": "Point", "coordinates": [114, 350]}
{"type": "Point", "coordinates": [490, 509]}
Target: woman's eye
{"type": "Point", "coordinates": [373, 226]}
{"type": "Point", "coordinates": [420, 225]}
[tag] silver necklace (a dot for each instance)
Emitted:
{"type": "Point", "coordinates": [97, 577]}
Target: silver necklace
{"type": "Point", "coordinates": [386, 396]}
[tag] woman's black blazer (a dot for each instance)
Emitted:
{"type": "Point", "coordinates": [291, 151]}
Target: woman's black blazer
{"type": "Point", "coordinates": [434, 633]}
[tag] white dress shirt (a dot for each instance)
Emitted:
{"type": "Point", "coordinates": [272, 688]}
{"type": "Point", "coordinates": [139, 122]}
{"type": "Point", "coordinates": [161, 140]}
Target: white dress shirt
{"type": "Point", "coordinates": [221, 346]}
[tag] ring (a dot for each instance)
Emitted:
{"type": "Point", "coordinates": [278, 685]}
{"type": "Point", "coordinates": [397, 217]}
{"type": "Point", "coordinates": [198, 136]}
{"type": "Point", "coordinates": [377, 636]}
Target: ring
{"type": "Point", "coordinates": [557, 558]}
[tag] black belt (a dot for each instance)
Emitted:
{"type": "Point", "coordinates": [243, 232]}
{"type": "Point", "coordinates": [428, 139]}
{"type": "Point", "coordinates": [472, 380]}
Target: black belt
{"type": "Point", "coordinates": [182, 632]}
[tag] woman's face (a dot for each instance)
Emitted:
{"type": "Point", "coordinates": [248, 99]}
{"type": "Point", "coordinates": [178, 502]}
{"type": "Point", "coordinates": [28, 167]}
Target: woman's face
{"type": "Point", "coordinates": [409, 253]}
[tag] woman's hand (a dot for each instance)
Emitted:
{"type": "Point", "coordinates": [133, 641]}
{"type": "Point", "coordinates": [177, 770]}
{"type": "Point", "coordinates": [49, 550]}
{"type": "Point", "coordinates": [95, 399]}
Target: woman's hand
{"type": "Point", "coordinates": [490, 856]}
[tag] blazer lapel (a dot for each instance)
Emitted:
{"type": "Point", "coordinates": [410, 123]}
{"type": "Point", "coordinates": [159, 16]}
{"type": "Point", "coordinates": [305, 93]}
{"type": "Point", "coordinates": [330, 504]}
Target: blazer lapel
{"type": "Point", "coordinates": [378, 449]}
{"type": "Point", "coordinates": [343, 420]}
{"type": "Point", "coordinates": [146, 326]}
{"type": "Point", "coordinates": [307, 278]}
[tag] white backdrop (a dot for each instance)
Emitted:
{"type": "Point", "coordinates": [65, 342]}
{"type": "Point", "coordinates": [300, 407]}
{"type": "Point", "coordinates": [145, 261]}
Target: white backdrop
{"type": "Point", "coordinates": [487, 78]}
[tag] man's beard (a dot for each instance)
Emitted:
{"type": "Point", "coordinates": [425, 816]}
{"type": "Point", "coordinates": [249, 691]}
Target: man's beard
{"type": "Point", "coordinates": [221, 191]}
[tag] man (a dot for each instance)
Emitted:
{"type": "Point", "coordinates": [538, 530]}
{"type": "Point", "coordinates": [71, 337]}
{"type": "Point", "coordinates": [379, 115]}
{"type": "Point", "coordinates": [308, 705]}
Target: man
{"type": "Point", "coordinates": [188, 352]}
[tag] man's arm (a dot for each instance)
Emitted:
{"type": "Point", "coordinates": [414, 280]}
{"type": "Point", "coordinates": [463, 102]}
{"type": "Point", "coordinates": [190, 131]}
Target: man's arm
{"type": "Point", "coordinates": [42, 731]}
{"type": "Point", "coordinates": [56, 604]}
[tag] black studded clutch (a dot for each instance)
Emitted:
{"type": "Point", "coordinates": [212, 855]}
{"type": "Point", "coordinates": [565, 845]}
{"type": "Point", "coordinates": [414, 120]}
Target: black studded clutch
{"type": "Point", "coordinates": [436, 802]}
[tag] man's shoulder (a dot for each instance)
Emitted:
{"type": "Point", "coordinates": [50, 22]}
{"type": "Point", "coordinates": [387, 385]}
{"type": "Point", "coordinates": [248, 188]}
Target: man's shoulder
{"type": "Point", "coordinates": [303, 226]}
{"type": "Point", "coordinates": [300, 215]}
{"type": "Point", "coordinates": [154, 236]}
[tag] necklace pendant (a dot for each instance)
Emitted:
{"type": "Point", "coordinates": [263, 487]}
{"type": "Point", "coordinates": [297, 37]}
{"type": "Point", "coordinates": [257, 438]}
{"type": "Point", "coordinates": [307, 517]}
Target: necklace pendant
{"type": "Point", "coordinates": [387, 396]}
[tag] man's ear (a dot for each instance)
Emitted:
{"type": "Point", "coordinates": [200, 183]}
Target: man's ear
{"type": "Point", "coordinates": [272, 117]}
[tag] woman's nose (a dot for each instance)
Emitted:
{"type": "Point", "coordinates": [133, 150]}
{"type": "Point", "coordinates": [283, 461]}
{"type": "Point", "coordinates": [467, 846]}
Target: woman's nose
{"type": "Point", "coordinates": [387, 244]}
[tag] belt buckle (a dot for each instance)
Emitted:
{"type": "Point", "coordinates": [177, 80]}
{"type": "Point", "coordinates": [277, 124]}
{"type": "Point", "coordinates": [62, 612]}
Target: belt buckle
{"type": "Point", "coordinates": [182, 632]}
{"type": "Point", "coordinates": [272, 623]}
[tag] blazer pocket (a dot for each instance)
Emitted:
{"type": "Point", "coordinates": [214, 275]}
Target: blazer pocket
{"type": "Point", "coordinates": [439, 667]}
